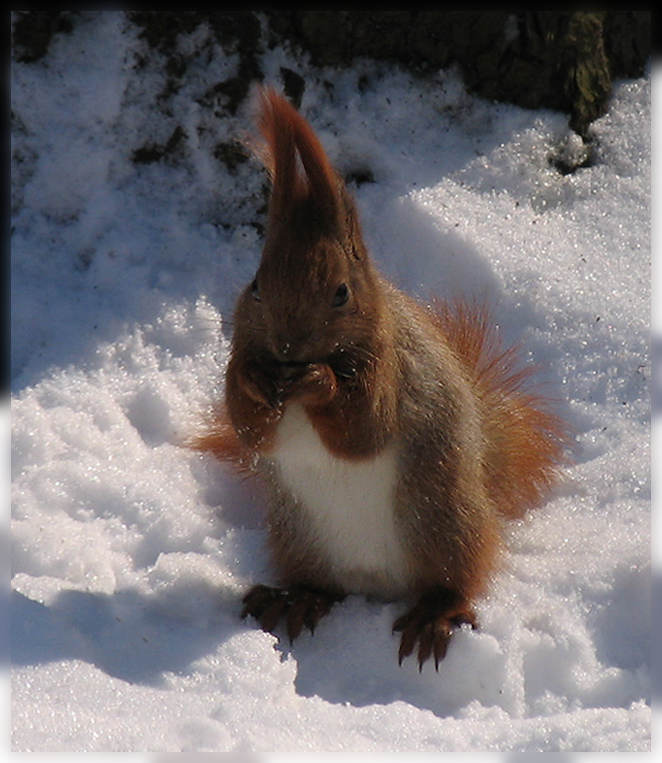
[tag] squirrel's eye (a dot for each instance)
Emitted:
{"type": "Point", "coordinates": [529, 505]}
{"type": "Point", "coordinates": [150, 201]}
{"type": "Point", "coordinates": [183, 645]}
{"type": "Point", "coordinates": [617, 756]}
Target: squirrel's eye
{"type": "Point", "coordinates": [341, 296]}
{"type": "Point", "coordinates": [255, 291]}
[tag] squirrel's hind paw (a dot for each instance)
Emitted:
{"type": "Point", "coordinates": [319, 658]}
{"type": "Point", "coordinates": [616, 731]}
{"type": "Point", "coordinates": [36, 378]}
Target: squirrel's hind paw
{"type": "Point", "coordinates": [431, 623]}
{"type": "Point", "coordinates": [299, 606]}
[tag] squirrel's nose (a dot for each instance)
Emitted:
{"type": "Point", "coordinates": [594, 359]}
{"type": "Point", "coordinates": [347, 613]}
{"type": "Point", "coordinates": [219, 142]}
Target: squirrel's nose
{"type": "Point", "coordinates": [283, 350]}
{"type": "Point", "coordinates": [294, 347]}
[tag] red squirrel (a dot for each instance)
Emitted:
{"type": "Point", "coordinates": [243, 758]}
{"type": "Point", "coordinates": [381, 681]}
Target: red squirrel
{"type": "Point", "coordinates": [394, 439]}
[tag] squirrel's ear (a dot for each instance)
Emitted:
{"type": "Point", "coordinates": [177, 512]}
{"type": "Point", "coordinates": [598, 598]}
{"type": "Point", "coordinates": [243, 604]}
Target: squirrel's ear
{"type": "Point", "coordinates": [301, 172]}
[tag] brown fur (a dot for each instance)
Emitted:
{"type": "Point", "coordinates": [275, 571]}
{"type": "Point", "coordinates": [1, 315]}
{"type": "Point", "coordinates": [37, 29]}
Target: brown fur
{"type": "Point", "coordinates": [374, 371]}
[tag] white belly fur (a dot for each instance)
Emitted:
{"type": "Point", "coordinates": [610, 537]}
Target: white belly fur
{"type": "Point", "coordinates": [349, 506]}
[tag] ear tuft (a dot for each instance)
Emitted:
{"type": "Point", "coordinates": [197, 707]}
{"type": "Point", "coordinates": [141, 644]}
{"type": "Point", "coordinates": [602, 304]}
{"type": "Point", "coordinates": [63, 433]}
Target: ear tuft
{"type": "Point", "coordinates": [300, 169]}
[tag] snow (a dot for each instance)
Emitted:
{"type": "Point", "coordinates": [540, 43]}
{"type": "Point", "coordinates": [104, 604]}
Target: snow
{"type": "Point", "coordinates": [130, 552]}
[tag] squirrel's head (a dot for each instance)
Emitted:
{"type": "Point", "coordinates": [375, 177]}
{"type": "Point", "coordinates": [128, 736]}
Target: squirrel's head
{"type": "Point", "coordinates": [316, 292]}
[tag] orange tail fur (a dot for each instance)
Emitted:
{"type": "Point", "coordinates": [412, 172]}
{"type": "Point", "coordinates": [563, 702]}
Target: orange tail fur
{"type": "Point", "coordinates": [526, 439]}
{"type": "Point", "coordinates": [221, 441]}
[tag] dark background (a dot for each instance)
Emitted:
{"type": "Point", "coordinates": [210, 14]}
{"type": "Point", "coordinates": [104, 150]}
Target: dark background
{"type": "Point", "coordinates": [563, 60]}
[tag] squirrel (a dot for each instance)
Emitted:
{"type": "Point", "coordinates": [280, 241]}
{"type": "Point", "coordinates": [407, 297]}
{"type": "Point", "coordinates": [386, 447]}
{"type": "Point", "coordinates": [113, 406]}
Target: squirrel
{"type": "Point", "coordinates": [393, 439]}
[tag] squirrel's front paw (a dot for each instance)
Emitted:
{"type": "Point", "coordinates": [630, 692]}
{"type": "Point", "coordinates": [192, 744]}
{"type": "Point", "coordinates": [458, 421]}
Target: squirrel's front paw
{"type": "Point", "coordinates": [299, 606]}
{"type": "Point", "coordinates": [312, 384]}
{"type": "Point", "coordinates": [431, 623]}
{"type": "Point", "coordinates": [263, 384]}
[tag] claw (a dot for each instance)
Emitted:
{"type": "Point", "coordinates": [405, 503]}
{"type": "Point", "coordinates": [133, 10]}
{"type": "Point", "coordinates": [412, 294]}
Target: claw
{"type": "Point", "coordinates": [408, 638]}
{"type": "Point", "coordinates": [295, 617]}
{"type": "Point", "coordinates": [269, 618]}
{"type": "Point", "coordinates": [425, 641]}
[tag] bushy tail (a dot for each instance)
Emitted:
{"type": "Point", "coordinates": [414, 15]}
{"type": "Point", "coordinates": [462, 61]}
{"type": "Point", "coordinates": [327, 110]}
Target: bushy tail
{"type": "Point", "coordinates": [527, 442]}
{"type": "Point", "coordinates": [220, 439]}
